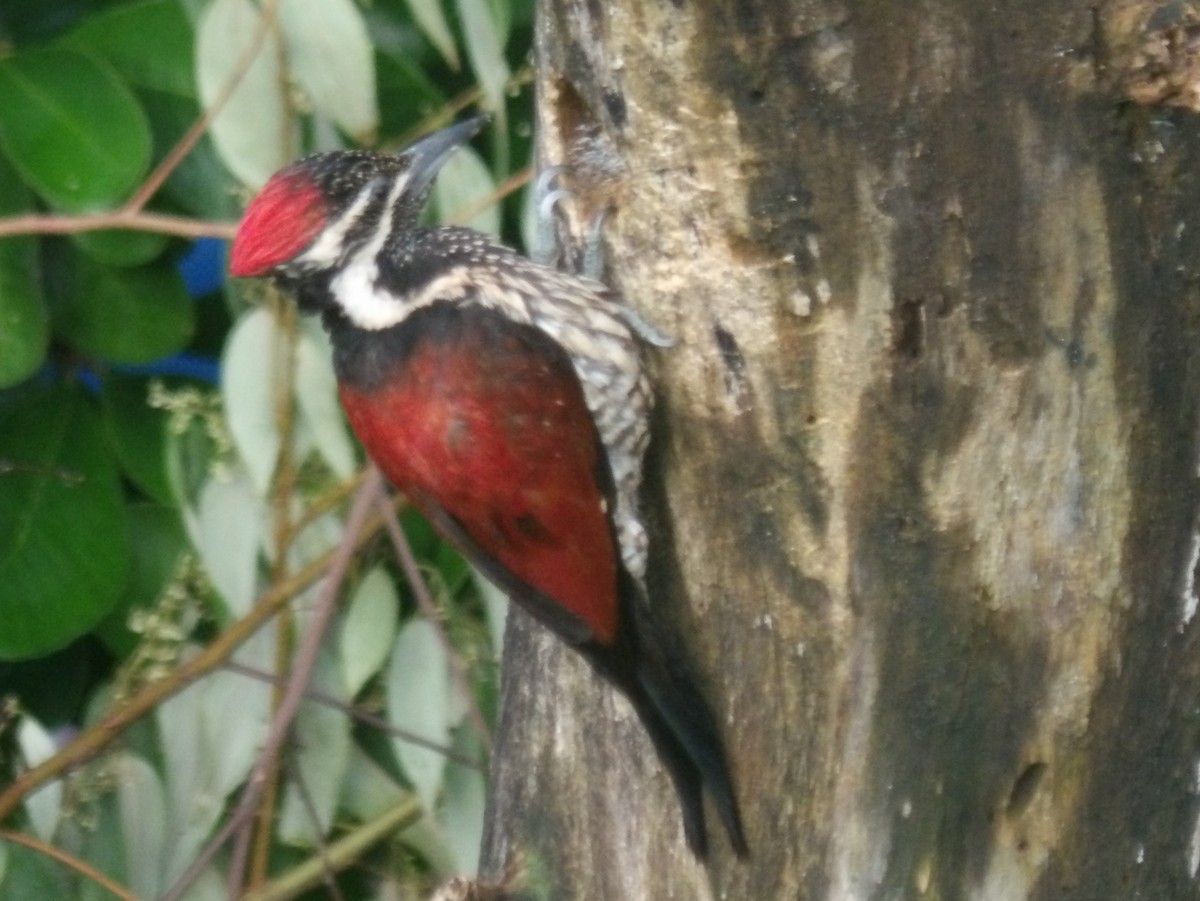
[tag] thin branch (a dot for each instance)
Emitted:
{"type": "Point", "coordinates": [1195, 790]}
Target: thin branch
{"type": "Point", "coordinates": [322, 855]}
{"type": "Point", "coordinates": [74, 863]}
{"type": "Point", "coordinates": [341, 853]}
{"type": "Point", "coordinates": [35, 224]}
{"type": "Point", "coordinates": [412, 571]}
{"type": "Point", "coordinates": [363, 716]}
{"type": "Point", "coordinates": [306, 656]}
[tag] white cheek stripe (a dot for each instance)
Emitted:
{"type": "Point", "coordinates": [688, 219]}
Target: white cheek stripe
{"type": "Point", "coordinates": [355, 287]}
{"type": "Point", "coordinates": [328, 246]}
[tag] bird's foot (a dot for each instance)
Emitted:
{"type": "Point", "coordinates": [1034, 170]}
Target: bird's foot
{"type": "Point", "coordinates": [547, 249]}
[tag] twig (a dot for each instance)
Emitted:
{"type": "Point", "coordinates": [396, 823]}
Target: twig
{"type": "Point", "coordinates": [73, 862]}
{"type": "Point", "coordinates": [322, 855]}
{"type": "Point", "coordinates": [363, 716]}
{"type": "Point", "coordinates": [416, 580]}
{"type": "Point", "coordinates": [34, 224]}
{"type": "Point", "coordinates": [341, 853]}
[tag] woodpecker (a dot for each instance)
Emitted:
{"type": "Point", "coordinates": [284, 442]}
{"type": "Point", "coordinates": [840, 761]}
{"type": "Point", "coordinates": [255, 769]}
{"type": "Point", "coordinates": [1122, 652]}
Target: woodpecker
{"type": "Point", "coordinates": [509, 402]}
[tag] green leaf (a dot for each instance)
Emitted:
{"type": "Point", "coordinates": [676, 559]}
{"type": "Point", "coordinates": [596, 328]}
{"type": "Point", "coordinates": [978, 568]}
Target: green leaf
{"type": "Point", "coordinates": [125, 316]}
{"type": "Point", "coordinates": [330, 54]}
{"type": "Point", "coordinates": [118, 247]}
{"type": "Point", "coordinates": [74, 131]}
{"type": "Point", "coordinates": [24, 324]}
{"type": "Point", "coordinates": [406, 95]}
{"type": "Point", "coordinates": [63, 551]}
{"type": "Point", "coordinates": [32, 874]}
{"type": "Point", "coordinates": [137, 432]}
{"type": "Point", "coordinates": [149, 43]}
{"type": "Point", "coordinates": [157, 541]}
{"type": "Point", "coordinates": [200, 184]}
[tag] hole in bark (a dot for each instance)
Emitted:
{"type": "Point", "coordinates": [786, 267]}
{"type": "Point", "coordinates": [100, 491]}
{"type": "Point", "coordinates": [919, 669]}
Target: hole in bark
{"type": "Point", "coordinates": [1025, 787]}
{"type": "Point", "coordinates": [910, 329]}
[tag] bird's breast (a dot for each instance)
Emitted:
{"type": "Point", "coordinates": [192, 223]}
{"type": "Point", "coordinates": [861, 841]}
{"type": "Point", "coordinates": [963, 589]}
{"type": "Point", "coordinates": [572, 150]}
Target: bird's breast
{"type": "Point", "coordinates": [486, 419]}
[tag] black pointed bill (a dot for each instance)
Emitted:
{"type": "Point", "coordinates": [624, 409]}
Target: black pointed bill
{"type": "Point", "coordinates": [428, 155]}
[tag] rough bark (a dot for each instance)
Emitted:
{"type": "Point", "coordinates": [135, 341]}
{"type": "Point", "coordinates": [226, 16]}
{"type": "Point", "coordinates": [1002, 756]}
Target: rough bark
{"type": "Point", "coordinates": [924, 484]}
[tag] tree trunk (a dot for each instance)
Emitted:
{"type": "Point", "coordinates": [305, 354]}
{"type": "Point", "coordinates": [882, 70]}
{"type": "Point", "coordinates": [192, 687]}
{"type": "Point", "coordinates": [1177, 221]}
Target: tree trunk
{"type": "Point", "coordinates": [923, 491]}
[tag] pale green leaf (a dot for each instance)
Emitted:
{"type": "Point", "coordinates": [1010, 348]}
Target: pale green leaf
{"type": "Point", "coordinates": [322, 753]}
{"type": "Point", "coordinates": [330, 54]}
{"type": "Point", "coordinates": [252, 133]}
{"type": "Point", "coordinates": [368, 628]}
{"type": "Point", "coordinates": [432, 20]}
{"type": "Point", "coordinates": [418, 690]}
{"type": "Point", "coordinates": [143, 822]}
{"type": "Point", "coordinates": [45, 804]}
{"type": "Point", "coordinates": [317, 401]}
{"type": "Point", "coordinates": [462, 807]}
{"type": "Point", "coordinates": [466, 184]}
{"type": "Point", "coordinates": [496, 603]}
{"type": "Point", "coordinates": [248, 389]}
{"type": "Point", "coordinates": [228, 527]}
{"type": "Point", "coordinates": [485, 51]}
{"type": "Point", "coordinates": [368, 790]}
{"type": "Point", "coordinates": [210, 734]}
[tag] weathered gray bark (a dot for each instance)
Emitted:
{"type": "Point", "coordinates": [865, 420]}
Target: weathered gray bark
{"type": "Point", "coordinates": [924, 490]}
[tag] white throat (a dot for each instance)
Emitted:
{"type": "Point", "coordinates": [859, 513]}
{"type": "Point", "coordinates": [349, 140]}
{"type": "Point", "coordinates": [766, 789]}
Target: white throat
{"type": "Point", "coordinates": [356, 288]}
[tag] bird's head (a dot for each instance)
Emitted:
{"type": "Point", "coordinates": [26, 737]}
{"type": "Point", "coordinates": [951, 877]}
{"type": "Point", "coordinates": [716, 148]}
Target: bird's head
{"type": "Point", "coordinates": [311, 216]}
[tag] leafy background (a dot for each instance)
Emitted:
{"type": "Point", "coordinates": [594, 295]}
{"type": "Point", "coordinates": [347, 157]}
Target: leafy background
{"type": "Point", "coordinates": [199, 582]}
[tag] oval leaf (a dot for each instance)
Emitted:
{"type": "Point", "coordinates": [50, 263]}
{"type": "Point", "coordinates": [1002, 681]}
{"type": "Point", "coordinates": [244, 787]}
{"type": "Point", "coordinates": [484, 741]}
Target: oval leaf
{"type": "Point", "coordinates": [248, 391]}
{"type": "Point", "coordinates": [63, 553]}
{"type": "Point", "coordinates": [252, 132]}
{"type": "Point", "coordinates": [368, 628]}
{"type": "Point", "coordinates": [418, 691]}
{"type": "Point", "coordinates": [228, 529]}
{"type": "Point", "coordinates": [80, 149]}
{"type": "Point", "coordinates": [126, 315]}
{"type": "Point", "coordinates": [330, 54]}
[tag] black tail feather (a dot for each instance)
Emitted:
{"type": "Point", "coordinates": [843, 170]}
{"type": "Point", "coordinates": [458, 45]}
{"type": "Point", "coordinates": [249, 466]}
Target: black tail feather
{"type": "Point", "coordinates": [682, 727]}
{"type": "Point", "coordinates": [692, 734]}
